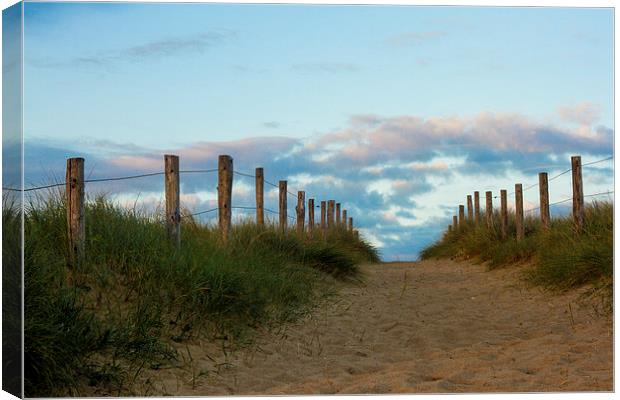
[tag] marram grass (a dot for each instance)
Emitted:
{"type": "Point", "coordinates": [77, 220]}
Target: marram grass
{"type": "Point", "coordinates": [135, 295]}
{"type": "Point", "coordinates": [560, 257]}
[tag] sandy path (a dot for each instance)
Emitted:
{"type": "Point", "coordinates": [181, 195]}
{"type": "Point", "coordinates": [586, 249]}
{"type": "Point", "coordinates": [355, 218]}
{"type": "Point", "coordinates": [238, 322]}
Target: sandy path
{"type": "Point", "coordinates": [436, 326]}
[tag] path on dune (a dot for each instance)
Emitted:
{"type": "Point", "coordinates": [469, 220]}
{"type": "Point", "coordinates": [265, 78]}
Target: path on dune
{"type": "Point", "coordinates": [433, 326]}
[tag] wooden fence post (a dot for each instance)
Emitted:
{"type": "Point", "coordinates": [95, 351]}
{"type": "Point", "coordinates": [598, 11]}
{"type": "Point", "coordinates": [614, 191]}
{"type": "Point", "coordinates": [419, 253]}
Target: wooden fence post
{"type": "Point", "coordinates": [455, 222]}
{"type": "Point", "coordinates": [543, 185]}
{"type": "Point", "coordinates": [519, 223]}
{"type": "Point", "coordinates": [504, 212]}
{"type": "Point", "coordinates": [76, 227]}
{"type": "Point", "coordinates": [338, 214]}
{"type": "Point", "coordinates": [350, 224]}
{"type": "Point", "coordinates": [224, 195]}
{"type": "Point", "coordinates": [449, 228]}
{"type": "Point", "coordinates": [489, 209]}
{"type": "Point", "coordinates": [578, 200]}
{"type": "Point", "coordinates": [260, 197]}
{"type": "Point", "coordinates": [283, 205]}
{"type": "Point", "coordinates": [470, 209]}
{"type": "Point", "coordinates": [330, 213]}
{"type": "Point", "coordinates": [344, 218]}
{"type": "Point", "coordinates": [477, 207]}
{"type": "Point", "coordinates": [323, 221]}
{"type": "Point", "coordinates": [311, 218]}
{"type": "Point", "coordinates": [173, 208]}
{"type": "Point", "coordinates": [301, 212]}
{"type": "Point", "coordinates": [461, 215]}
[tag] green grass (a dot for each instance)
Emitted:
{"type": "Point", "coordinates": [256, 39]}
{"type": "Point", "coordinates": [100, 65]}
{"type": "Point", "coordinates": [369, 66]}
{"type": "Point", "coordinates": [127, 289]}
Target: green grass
{"type": "Point", "coordinates": [560, 257]}
{"type": "Point", "coordinates": [136, 295]}
{"type": "Point", "coordinates": [11, 301]}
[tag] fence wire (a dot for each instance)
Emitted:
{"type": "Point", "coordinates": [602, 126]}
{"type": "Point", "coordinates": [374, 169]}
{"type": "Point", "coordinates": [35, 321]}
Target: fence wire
{"type": "Point", "coordinates": [138, 176]}
{"type": "Point", "coordinates": [266, 181]}
{"type": "Point", "coordinates": [236, 208]}
{"type": "Point", "coordinates": [200, 213]}
{"type": "Point", "coordinates": [570, 199]}
{"type": "Point", "coordinates": [119, 178]}
{"type": "Point", "coordinates": [559, 175]}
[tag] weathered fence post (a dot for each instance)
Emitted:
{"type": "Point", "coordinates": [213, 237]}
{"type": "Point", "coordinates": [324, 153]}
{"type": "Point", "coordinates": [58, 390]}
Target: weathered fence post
{"type": "Point", "coordinates": [260, 197]}
{"type": "Point", "coordinates": [301, 212]}
{"type": "Point", "coordinates": [283, 205]}
{"type": "Point", "coordinates": [489, 209]}
{"type": "Point", "coordinates": [173, 208]}
{"type": "Point", "coordinates": [323, 222]}
{"type": "Point", "coordinates": [76, 228]}
{"type": "Point", "coordinates": [330, 213]}
{"type": "Point", "coordinates": [461, 215]}
{"type": "Point", "coordinates": [350, 224]}
{"type": "Point", "coordinates": [224, 195]}
{"type": "Point", "coordinates": [455, 222]}
{"type": "Point", "coordinates": [477, 207]}
{"type": "Point", "coordinates": [470, 209]}
{"type": "Point", "coordinates": [519, 223]}
{"type": "Point", "coordinates": [338, 214]}
{"type": "Point", "coordinates": [311, 218]}
{"type": "Point", "coordinates": [504, 212]}
{"type": "Point", "coordinates": [543, 186]}
{"type": "Point", "coordinates": [449, 228]}
{"type": "Point", "coordinates": [344, 218]}
{"type": "Point", "coordinates": [578, 206]}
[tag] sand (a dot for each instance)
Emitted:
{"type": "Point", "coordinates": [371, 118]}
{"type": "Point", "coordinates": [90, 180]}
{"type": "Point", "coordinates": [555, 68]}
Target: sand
{"type": "Point", "coordinates": [433, 326]}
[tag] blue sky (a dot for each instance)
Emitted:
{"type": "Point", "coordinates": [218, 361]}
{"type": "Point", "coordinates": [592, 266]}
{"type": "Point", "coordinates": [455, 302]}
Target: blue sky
{"type": "Point", "coordinates": [398, 110]}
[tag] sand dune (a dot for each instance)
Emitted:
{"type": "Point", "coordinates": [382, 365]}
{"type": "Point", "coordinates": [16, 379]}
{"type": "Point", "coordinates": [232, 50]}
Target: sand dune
{"type": "Point", "coordinates": [436, 326]}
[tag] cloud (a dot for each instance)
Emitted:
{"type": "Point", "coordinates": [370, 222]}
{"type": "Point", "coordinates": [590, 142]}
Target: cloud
{"type": "Point", "coordinates": [422, 62]}
{"type": "Point", "coordinates": [586, 37]}
{"type": "Point", "coordinates": [173, 46]}
{"type": "Point", "coordinates": [331, 68]}
{"type": "Point", "coordinates": [157, 49]}
{"type": "Point", "coordinates": [272, 124]}
{"type": "Point", "coordinates": [486, 139]}
{"type": "Point", "coordinates": [584, 113]}
{"type": "Point", "coordinates": [414, 38]}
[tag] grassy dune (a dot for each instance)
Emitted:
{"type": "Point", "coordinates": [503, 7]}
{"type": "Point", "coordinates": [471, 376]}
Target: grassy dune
{"type": "Point", "coordinates": [560, 258]}
{"type": "Point", "coordinates": [136, 295]}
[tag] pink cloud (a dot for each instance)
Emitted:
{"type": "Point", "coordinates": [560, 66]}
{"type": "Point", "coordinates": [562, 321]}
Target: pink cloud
{"type": "Point", "coordinates": [584, 113]}
{"type": "Point", "coordinates": [137, 162]}
{"type": "Point", "coordinates": [371, 139]}
{"type": "Point", "coordinates": [253, 151]}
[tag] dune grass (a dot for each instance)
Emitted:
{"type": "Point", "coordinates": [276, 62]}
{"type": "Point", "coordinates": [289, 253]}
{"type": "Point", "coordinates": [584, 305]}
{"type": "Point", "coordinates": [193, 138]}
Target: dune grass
{"type": "Point", "coordinates": [135, 294]}
{"type": "Point", "coordinates": [560, 257]}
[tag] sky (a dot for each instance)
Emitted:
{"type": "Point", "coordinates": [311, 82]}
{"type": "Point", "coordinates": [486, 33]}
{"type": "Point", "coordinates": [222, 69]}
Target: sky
{"type": "Point", "coordinates": [397, 112]}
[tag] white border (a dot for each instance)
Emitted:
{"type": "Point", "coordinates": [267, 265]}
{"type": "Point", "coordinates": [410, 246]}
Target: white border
{"type": "Point", "coordinates": [510, 3]}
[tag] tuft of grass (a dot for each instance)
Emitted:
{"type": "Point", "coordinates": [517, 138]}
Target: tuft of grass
{"type": "Point", "coordinates": [570, 259]}
{"type": "Point", "coordinates": [11, 298]}
{"type": "Point", "coordinates": [561, 258]}
{"type": "Point", "coordinates": [136, 295]}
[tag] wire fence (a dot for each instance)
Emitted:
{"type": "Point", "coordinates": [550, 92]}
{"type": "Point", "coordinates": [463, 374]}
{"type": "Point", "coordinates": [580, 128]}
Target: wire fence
{"type": "Point", "coordinates": [161, 173]}
{"type": "Point", "coordinates": [609, 192]}
{"type": "Point", "coordinates": [578, 207]}
{"type": "Point", "coordinates": [290, 193]}
{"type": "Point", "coordinates": [559, 175]}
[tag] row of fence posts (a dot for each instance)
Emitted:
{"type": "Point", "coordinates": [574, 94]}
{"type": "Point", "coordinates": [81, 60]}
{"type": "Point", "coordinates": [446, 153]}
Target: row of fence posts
{"type": "Point", "coordinates": [331, 215]}
{"type": "Point", "coordinates": [545, 216]}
